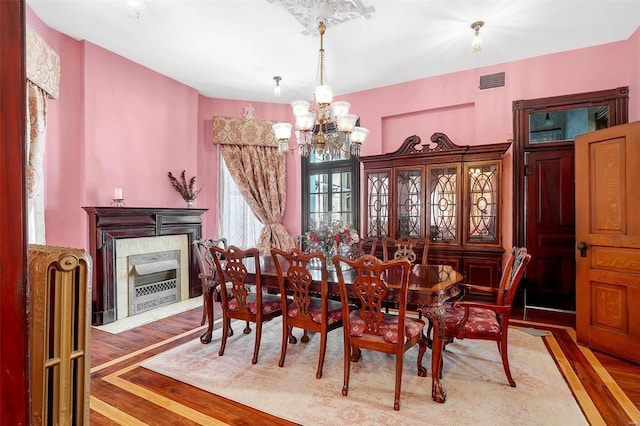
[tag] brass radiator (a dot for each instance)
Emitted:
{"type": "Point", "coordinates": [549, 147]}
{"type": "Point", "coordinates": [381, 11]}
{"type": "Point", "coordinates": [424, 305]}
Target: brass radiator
{"type": "Point", "coordinates": [59, 304]}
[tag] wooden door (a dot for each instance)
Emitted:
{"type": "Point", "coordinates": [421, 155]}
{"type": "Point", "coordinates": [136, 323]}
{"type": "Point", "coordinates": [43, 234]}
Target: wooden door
{"type": "Point", "coordinates": [550, 229]}
{"type": "Point", "coordinates": [608, 232]}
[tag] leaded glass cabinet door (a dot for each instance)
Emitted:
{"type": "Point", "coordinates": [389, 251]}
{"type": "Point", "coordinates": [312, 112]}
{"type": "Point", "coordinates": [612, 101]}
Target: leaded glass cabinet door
{"type": "Point", "coordinates": [444, 203]}
{"type": "Point", "coordinates": [409, 203]}
{"type": "Point", "coordinates": [378, 203]}
{"type": "Point", "coordinates": [482, 180]}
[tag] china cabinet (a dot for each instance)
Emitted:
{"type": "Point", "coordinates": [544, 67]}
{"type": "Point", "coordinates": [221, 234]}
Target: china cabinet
{"type": "Point", "coordinates": [448, 193]}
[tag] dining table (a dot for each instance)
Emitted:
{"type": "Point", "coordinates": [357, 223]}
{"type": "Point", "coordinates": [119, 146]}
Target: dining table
{"type": "Point", "coordinates": [430, 286]}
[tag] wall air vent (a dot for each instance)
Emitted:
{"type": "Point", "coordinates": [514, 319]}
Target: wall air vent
{"type": "Point", "coordinates": [490, 81]}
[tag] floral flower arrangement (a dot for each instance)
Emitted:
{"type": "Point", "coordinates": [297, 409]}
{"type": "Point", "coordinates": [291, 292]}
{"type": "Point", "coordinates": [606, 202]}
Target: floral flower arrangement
{"type": "Point", "coordinates": [186, 189]}
{"type": "Point", "coordinates": [328, 236]}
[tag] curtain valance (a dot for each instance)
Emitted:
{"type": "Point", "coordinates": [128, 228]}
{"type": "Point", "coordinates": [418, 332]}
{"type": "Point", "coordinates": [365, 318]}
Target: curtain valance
{"type": "Point", "coordinates": [247, 130]}
{"type": "Point", "coordinates": [43, 64]}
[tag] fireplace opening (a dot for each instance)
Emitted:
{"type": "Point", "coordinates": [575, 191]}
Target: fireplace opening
{"type": "Point", "coordinates": [154, 280]}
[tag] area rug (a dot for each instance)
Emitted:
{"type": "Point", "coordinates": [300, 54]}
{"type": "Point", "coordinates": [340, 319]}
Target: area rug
{"type": "Point", "coordinates": [477, 390]}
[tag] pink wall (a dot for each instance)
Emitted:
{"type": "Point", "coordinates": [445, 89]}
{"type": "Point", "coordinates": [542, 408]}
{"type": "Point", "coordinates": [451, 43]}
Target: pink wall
{"type": "Point", "coordinates": [64, 184]}
{"type": "Point", "coordinates": [453, 104]}
{"type": "Point", "coordinates": [139, 125]}
{"type": "Point", "coordinates": [123, 125]}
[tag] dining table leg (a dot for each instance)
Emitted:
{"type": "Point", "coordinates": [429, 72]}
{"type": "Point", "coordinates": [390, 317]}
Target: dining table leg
{"type": "Point", "coordinates": [435, 314]}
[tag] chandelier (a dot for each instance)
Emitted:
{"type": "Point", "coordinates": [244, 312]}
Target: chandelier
{"type": "Point", "coordinates": [322, 126]}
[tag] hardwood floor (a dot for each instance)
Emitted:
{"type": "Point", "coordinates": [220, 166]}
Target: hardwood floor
{"type": "Point", "coordinates": [123, 393]}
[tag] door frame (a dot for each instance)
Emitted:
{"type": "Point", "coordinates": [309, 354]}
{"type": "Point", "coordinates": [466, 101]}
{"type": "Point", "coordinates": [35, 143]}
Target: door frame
{"type": "Point", "coordinates": [616, 99]}
{"type": "Point", "coordinates": [14, 325]}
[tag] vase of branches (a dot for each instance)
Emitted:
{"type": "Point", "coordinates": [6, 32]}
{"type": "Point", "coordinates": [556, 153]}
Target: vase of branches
{"type": "Point", "coordinates": [186, 189]}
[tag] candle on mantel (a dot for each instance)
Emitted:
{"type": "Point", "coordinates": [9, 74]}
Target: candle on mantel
{"type": "Point", "coordinates": [117, 194]}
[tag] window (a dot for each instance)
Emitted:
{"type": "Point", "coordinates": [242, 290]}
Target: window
{"type": "Point", "coordinates": [238, 224]}
{"type": "Point", "coordinates": [330, 190]}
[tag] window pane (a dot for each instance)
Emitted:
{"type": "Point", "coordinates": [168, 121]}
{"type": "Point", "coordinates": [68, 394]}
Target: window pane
{"type": "Point", "coordinates": [331, 194]}
{"type": "Point", "coordinates": [565, 125]}
{"type": "Point", "coordinates": [238, 224]}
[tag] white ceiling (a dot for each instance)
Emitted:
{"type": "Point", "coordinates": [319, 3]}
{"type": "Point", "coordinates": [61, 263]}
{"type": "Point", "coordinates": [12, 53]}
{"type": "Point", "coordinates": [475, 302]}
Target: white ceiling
{"type": "Point", "coordinates": [232, 49]}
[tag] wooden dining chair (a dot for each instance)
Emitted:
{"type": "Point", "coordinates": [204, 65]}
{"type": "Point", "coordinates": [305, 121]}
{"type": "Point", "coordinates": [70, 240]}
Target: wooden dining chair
{"type": "Point", "coordinates": [488, 321]}
{"type": "Point", "coordinates": [369, 327]}
{"type": "Point", "coordinates": [315, 313]}
{"type": "Point", "coordinates": [415, 250]}
{"type": "Point", "coordinates": [209, 280]}
{"type": "Point", "coordinates": [240, 301]}
{"type": "Point", "coordinates": [363, 246]}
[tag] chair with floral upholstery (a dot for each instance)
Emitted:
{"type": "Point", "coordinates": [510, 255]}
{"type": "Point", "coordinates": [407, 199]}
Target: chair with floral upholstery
{"type": "Point", "coordinates": [311, 313]}
{"type": "Point", "coordinates": [209, 280]}
{"type": "Point", "coordinates": [369, 327]}
{"type": "Point", "coordinates": [239, 301]}
{"type": "Point", "coordinates": [488, 321]}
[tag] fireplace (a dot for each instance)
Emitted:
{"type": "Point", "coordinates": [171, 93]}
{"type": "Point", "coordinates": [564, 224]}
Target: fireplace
{"type": "Point", "coordinates": [108, 226]}
{"type": "Point", "coordinates": [151, 272]}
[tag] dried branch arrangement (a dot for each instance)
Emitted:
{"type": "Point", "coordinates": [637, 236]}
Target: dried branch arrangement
{"type": "Point", "coordinates": [185, 189]}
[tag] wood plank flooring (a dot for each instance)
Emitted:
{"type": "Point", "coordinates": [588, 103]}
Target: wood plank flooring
{"type": "Point", "coordinates": [124, 394]}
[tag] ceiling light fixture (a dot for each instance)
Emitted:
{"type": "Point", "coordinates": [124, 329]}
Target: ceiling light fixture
{"type": "Point", "coordinates": [321, 125]}
{"type": "Point", "coordinates": [548, 122]}
{"type": "Point", "coordinates": [133, 8]}
{"type": "Point", "coordinates": [476, 44]}
{"type": "Point", "coordinates": [276, 90]}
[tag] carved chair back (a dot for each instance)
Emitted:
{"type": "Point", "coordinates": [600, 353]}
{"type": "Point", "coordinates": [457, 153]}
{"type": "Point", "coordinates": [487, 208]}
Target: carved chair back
{"type": "Point", "coordinates": [310, 310]}
{"type": "Point", "coordinates": [363, 246]}
{"type": "Point", "coordinates": [489, 321]}
{"type": "Point", "coordinates": [208, 278]}
{"type": "Point", "coordinates": [369, 327]}
{"type": "Point", "coordinates": [415, 250]}
{"type": "Point", "coordinates": [239, 301]}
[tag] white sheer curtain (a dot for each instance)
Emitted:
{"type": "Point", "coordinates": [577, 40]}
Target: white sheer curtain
{"type": "Point", "coordinates": [36, 126]}
{"type": "Point", "coordinates": [238, 224]}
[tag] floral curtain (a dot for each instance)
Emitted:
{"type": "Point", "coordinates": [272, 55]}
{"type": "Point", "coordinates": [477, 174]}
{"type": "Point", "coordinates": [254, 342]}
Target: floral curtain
{"type": "Point", "coordinates": [43, 82]}
{"type": "Point", "coordinates": [250, 152]}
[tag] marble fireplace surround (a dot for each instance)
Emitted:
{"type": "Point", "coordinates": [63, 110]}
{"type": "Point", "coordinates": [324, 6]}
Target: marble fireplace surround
{"type": "Point", "coordinates": [109, 224]}
{"type": "Point", "coordinates": [127, 247]}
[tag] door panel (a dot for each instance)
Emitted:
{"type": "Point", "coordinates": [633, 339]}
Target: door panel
{"type": "Point", "coordinates": [550, 227]}
{"type": "Point", "coordinates": [608, 223]}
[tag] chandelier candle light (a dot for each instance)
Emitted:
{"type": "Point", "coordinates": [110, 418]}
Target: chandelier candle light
{"type": "Point", "coordinates": [315, 119]}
